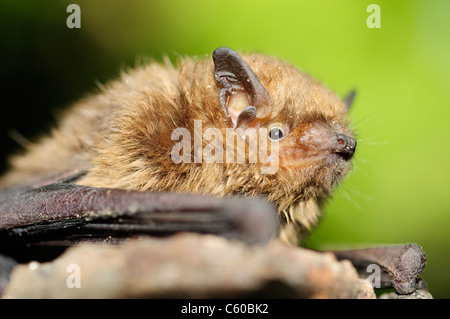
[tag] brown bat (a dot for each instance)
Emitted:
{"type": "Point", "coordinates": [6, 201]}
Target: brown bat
{"type": "Point", "coordinates": [121, 162]}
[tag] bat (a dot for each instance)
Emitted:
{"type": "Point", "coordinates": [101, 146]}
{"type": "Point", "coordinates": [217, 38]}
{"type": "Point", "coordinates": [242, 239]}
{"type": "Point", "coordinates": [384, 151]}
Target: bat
{"type": "Point", "coordinates": [243, 146]}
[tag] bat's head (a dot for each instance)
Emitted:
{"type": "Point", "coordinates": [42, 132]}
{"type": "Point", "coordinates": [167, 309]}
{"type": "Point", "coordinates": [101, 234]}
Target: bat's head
{"type": "Point", "coordinates": [295, 131]}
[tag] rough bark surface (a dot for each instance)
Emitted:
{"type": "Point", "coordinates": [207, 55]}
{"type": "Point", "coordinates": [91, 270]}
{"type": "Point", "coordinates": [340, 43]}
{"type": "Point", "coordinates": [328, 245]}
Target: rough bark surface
{"type": "Point", "coordinates": [192, 266]}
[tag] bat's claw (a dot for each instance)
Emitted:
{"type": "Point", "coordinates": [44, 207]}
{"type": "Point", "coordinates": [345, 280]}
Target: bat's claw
{"type": "Point", "coordinates": [421, 292]}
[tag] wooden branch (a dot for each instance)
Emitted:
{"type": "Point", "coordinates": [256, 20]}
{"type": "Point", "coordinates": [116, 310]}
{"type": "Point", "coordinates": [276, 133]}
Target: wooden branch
{"type": "Point", "coordinates": [190, 265]}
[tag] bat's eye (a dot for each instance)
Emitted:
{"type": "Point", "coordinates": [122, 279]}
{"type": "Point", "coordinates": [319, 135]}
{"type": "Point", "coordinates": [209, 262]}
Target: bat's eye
{"type": "Point", "coordinates": [276, 134]}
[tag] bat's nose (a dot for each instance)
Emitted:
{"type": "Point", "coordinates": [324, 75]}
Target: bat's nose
{"type": "Point", "coordinates": [346, 146]}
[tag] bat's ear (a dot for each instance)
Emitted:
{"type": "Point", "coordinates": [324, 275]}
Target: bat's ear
{"type": "Point", "coordinates": [242, 96]}
{"type": "Point", "coordinates": [348, 100]}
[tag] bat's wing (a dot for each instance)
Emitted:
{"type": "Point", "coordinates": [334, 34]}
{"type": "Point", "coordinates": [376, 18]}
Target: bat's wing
{"type": "Point", "coordinates": [65, 214]}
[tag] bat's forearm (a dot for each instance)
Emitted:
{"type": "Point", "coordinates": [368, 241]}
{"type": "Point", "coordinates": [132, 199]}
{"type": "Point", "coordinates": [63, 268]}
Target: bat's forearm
{"type": "Point", "coordinates": [76, 212]}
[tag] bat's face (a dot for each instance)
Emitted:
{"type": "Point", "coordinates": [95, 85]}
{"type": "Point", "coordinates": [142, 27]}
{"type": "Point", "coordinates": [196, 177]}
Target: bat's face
{"type": "Point", "coordinates": [299, 128]}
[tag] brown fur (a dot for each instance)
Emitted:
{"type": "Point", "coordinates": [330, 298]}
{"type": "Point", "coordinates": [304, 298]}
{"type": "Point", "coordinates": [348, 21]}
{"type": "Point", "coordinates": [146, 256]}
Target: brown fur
{"type": "Point", "coordinates": [122, 136]}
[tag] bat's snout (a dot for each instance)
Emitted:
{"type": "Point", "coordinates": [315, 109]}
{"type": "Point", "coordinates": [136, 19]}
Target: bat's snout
{"type": "Point", "coordinates": [345, 146]}
{"type": "Point", "coordinates": [314, 142]}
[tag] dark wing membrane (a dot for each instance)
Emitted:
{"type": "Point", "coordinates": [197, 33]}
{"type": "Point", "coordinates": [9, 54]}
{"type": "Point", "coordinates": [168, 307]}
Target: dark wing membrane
{"type": "Point", "coordinates": [65, 214]}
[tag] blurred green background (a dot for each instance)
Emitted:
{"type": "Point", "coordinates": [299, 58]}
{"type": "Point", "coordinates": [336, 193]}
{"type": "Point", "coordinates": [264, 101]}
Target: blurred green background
{"type": "Point", "coordinates": [398, 191]}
